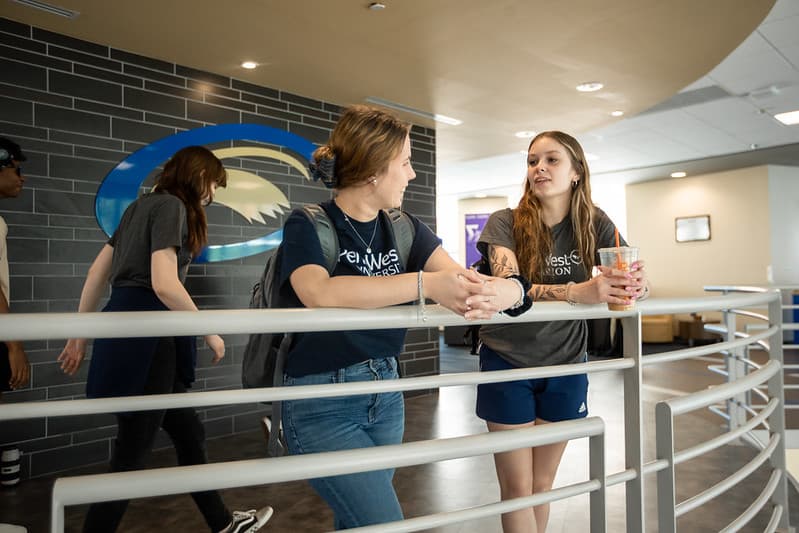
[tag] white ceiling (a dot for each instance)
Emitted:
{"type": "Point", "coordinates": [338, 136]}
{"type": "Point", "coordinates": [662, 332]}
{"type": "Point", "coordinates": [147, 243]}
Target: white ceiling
{"type": "Point", "coordinates": [723, 120]}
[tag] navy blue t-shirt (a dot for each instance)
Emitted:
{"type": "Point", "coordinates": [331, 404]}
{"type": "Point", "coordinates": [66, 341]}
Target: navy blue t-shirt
{"type": "Point", "coordinates": [326, 351]}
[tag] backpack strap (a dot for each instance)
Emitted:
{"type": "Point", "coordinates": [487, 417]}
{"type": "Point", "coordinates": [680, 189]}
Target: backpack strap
{"type": "Point", "coordinates": [328, 238]}
{"type": "Point", "coordinates": [403, 230]}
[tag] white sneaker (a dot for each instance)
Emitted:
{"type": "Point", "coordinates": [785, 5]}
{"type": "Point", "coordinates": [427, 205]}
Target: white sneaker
{"type": "Point", "coordinates": [249, 521]}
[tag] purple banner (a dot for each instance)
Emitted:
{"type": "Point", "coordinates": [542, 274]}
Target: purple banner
{"type": "Point", "coordinates": [473, 225]}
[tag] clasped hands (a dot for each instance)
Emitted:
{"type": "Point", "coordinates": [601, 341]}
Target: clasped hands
{"type": "Point", "coordinates": [470, 294]}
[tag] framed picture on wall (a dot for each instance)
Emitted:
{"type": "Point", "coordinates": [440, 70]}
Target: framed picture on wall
{"type": "Point", "coordinates": [687, 229]}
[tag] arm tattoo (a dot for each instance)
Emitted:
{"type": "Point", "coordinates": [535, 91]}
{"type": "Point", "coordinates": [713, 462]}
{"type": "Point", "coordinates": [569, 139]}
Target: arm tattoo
{"type": "Point", "coordinates": [501, 265]}
{"type": "Point", "coordinates": [548, 292]}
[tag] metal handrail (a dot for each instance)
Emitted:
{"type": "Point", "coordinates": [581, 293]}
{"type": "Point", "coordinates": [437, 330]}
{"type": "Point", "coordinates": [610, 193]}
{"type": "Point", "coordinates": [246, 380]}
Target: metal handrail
{"type": "Point", "coordinates": [245, 321]}
{"type": "Point", "coordinates": [176, 480]}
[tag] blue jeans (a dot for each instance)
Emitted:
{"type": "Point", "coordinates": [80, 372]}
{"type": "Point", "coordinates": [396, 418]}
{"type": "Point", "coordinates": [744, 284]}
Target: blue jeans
{"type": "Point", "coordinates": [344, 423]}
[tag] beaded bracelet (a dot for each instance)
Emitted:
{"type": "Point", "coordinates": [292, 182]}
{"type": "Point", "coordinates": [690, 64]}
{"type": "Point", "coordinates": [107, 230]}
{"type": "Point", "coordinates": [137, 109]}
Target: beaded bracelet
{"type": "Point", "coordinates": [568, 298]}
{"type": "Point", "coordinates": [420, 287]}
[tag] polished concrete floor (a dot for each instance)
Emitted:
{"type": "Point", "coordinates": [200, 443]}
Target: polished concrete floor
{"type": "Point", "coordinates": [465, 482]}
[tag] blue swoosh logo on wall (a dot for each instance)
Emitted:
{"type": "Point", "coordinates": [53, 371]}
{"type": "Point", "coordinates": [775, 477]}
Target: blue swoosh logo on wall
{"type": "Point", "coordinates": [121, 186]}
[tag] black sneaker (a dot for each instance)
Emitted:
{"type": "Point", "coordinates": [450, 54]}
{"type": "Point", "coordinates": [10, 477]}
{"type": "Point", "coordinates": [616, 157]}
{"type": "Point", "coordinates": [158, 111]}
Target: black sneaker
{"type": "Point", "coordinates": [249, 521]}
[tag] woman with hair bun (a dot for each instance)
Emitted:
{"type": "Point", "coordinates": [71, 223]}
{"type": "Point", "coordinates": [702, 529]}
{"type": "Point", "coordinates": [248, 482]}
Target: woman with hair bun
{"type": "Point", "coordinates": [368, 162]}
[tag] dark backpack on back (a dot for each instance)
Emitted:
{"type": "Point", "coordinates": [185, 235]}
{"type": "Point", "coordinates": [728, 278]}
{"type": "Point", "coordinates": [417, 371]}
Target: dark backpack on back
{"type": "Point", "coordinates": [265, 353]}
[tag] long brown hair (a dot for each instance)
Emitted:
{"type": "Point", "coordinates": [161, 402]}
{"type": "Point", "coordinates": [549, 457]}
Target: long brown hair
{"type": "Point", "coordinates": [533, 237]}
{"type": "Point", "coordinates": [364, 142]}
{"type": "Point", "coordinates": [189, 175]}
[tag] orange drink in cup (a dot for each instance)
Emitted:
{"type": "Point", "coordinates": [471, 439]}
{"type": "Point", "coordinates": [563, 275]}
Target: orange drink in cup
{"type": "Point", "coordinates": [620, 258]}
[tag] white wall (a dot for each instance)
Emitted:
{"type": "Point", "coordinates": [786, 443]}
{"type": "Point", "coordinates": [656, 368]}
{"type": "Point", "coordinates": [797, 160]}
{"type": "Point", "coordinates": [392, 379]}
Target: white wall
{"type": "Point", "coordinates": [738, 252]}
{"type": "Point", "coordinates": [783, 216]}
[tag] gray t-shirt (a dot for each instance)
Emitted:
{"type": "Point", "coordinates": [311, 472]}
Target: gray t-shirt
{"type": "Point", "coordinates": [544, 343]}
{"type": "Point", "coordinates": [153, 222]}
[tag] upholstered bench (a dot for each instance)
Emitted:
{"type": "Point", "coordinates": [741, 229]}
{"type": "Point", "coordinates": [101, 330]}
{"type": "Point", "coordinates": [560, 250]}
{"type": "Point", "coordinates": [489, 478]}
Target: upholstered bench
{"type": "Point", "coordinates": [657, 328]}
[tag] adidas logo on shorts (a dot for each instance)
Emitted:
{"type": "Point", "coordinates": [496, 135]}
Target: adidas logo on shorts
{"type": "Point", "coordinates": [582, 408]}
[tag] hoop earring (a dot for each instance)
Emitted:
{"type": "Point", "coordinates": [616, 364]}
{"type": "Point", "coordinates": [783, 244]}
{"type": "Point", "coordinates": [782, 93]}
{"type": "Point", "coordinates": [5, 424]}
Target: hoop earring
{"type": "Point", "coordinates": [575, 183]}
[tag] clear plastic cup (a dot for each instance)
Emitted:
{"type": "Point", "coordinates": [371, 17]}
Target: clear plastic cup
{"type": "Point", "coordinates": [620, 258]}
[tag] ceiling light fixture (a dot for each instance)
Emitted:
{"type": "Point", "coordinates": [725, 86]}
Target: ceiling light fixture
{"type": "Point", "coordinates": [589, 86]}
{"type": "Point", "coordinates": [616, 113]}
{"type": "Point", "coordinates": [789, 119]}
{"type": "Point", "coordinates": [377, 6]}
{"type": "Point", "coordinates": [480, 195]}
{"type": "Point", "coordinates": [679, 174]}
{"type": "Point", "coordinates": [426, 114]}
{"type": "Point", "coordinates": [525, 134]}
{"type": "Point", "coordinates": [49, 8]}
{"type": "Point", "coordinates": [249, 65]}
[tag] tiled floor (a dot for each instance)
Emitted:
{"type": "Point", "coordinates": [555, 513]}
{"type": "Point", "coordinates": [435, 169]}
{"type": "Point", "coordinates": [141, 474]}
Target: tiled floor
{"type": "Point", "coordinates": [459, 483]}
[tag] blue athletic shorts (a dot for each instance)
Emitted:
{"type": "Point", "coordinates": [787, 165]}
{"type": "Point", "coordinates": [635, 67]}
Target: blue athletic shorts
{"type": "Point", "coordinates": [519, 402]}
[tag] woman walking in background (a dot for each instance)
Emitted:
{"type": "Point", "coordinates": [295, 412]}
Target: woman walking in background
{"type": "Point", "coordinates": [146, 261]}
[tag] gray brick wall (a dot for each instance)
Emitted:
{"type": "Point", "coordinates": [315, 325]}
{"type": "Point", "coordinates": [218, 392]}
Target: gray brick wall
{"type": "Point", "coordinates": [78, 108]}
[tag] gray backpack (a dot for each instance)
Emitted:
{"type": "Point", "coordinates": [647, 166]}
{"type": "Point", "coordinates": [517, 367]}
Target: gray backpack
{"type": "Point", "coordinates": [265, 353]}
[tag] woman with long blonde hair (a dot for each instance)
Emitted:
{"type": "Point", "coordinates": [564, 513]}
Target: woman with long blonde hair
{"type": "Point", "coordinates": [550, 241]}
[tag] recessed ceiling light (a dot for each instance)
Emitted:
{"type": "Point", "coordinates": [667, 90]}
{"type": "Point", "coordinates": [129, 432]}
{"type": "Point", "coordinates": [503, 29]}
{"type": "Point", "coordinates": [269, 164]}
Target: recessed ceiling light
{"type": "Point", "coordinates": [616, 113]}
{"type": "Point", "coordinates": [249, 65]}
{"type": "Point", "coordinates": [49, 8]}
{"type": "Point", "coordinates": [589, 86]}
{"type": "Point", "coordinates": [525, 134]}
{"type": "Point", "coordinates": [407, 109]}
{"type": "Point", "coordinates": [789, 119]}
{"type": "Point", "coordinates": [377, 6]}
{"type": "Point", "coordinates": [591, 157]}
{"type": "Point", "coordinates": [679, 174]}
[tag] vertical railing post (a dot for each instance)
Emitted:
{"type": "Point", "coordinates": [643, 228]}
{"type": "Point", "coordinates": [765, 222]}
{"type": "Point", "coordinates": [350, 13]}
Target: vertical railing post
{"type": "Point", "coordinates": [56, 511]}
{"type": "Point", "coordinates": [596, 470]}
{"type": "Point", "coordinates": [664, 447]}
{"type": "Point", "coordinates": [633, 424]}
{"type": "Point", "coordinates": [736, 413]}
{"type": "Point", "coordinates": [777, 418]}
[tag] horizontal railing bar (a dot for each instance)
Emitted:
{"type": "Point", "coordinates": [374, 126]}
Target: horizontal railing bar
{"type": "Point", "coordinates": [751, 511]}
{"type": "Point", "coordinates": [719, 411]}
{"type": "Point", "coordinates": [620, 477]}
{"type": "Point", "coordinates": [688, 353]}
{"type": "Point", "coordinates": [27, 326]}
{"type": "Point", "coordinates": [655, 466]}
{"type": "Point", "coordinates": [707, 397]}
{"type": "Point", "coordinates": [721, 440]}
{"type": "Point", "coordinates": [183, 479]}
{"type": "Point", "coordinates": [42, 409]}
{"type": "Point", "coordinates": [737, 288]}
{"type": "Point", "coordinates": [483, 511]}
{"type": "Point", "coordinates": [722, 486]}
{"type": "Point", "coordinates": [774, 523]}
{"type": "Point", "coordinates": [749, 314]}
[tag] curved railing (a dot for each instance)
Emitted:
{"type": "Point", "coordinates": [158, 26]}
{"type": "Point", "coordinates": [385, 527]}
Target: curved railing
{"type": "Point", "coordinates": [86, 489]}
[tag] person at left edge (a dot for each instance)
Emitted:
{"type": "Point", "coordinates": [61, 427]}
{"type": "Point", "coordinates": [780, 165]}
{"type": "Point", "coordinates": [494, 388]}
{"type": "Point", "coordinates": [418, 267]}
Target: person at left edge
{"type": "Point", "coordinates": [14, 367]}
{"type": "Point", "coordinates": [146, 261]}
